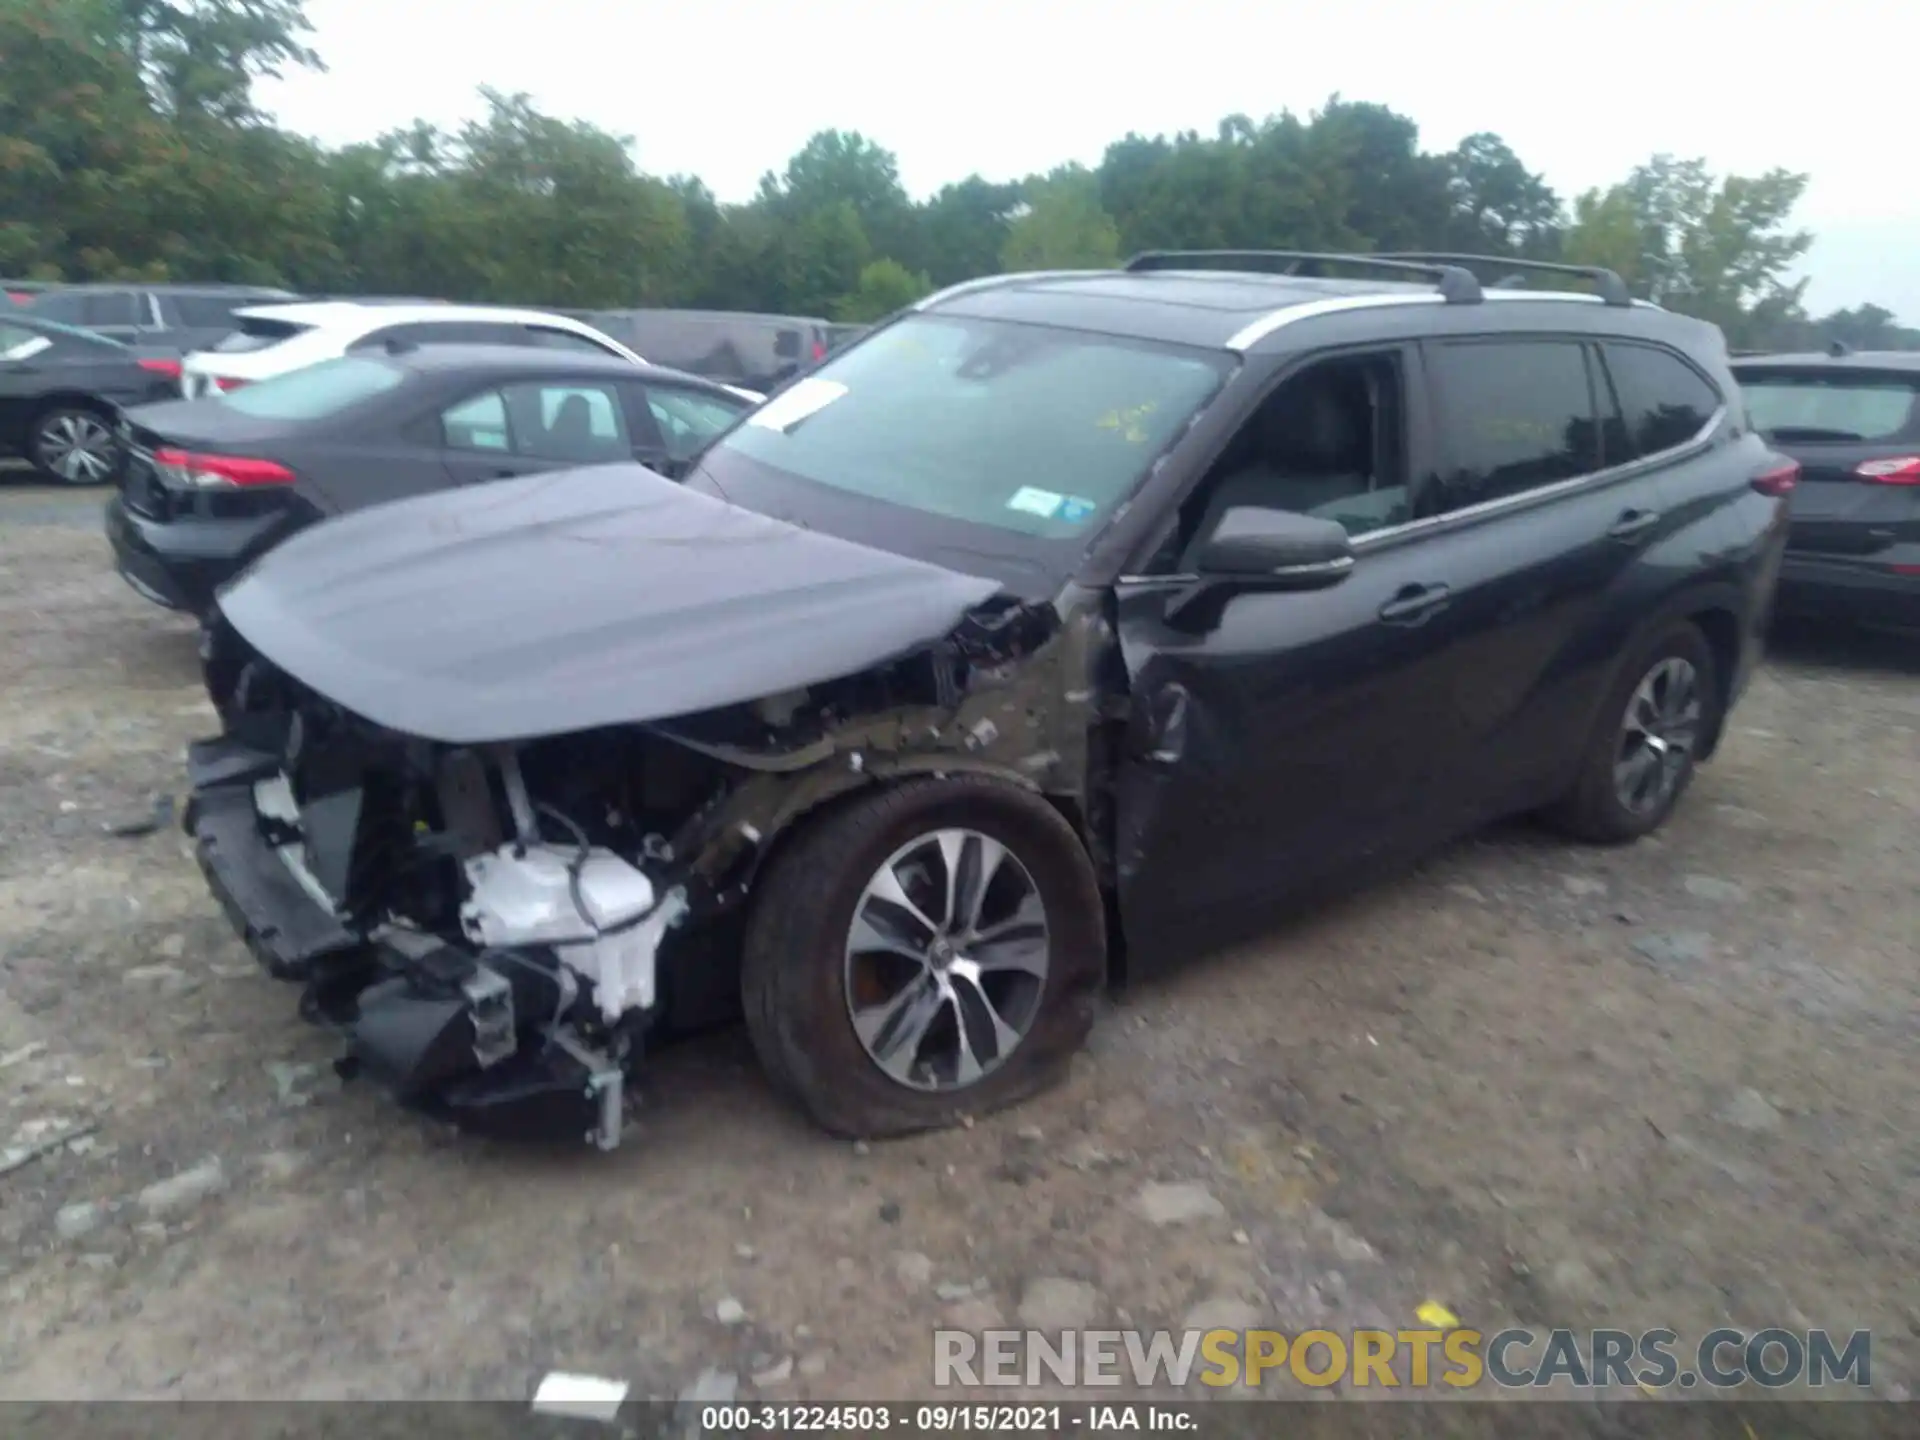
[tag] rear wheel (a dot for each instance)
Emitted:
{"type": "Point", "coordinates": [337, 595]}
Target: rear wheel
{"type": "Point", "coordinates": [929, 951]}
{"type": "Point", "coordinates": [1641, 760]}
{"type": "Point", "coordinates": [72, 445]}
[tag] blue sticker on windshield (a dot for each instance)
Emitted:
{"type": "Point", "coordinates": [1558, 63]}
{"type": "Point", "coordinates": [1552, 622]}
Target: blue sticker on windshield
{"type": "Point", "coordinates": [1074, 509]}
{"type": "Point", "coordinates": [1043, 503]}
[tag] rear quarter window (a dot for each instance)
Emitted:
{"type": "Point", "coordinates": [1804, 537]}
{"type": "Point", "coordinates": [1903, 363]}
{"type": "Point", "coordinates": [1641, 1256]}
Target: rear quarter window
{"type": "Point", "coordinates": [258, 333]}
{"type": "Point", "coordinates": [1845, 408]}
{"type": "Point", "coordinates": [317, 390]}
{"type": "Point", "coordinates": [1664, 402]}
{"type": "Point", "coordinates": [203, 312]}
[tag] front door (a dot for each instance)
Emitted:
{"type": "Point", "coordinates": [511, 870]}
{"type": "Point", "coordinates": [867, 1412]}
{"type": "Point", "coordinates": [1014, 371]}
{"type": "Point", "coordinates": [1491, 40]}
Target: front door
{"type": "Point", "coordinates": [1302, 732]}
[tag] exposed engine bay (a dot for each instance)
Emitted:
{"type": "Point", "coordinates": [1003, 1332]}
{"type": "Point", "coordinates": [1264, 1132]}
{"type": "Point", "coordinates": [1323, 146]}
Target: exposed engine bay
{"type": "Point", "coordinates": [499, 930]}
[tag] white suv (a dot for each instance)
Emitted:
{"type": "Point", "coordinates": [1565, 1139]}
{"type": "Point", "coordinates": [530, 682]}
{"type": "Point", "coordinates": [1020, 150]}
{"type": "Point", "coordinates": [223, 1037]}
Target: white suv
{"type": "Point", "coordinates": [273, 339]}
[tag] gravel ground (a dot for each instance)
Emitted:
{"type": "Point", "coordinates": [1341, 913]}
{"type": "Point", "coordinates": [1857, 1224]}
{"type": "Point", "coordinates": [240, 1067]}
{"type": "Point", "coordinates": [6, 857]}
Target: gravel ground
{"type": "Point", "coordinates": [1667, 1085]}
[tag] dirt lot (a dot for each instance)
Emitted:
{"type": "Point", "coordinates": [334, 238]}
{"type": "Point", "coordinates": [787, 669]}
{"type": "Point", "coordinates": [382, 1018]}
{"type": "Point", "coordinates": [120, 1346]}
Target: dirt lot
{"type": "Point", "coordinates": [1672, 1085]}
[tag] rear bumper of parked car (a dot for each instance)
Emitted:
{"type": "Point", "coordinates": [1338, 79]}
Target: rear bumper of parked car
{"type": "Point", "coordinates": [181, 565]}
{"type": "Point", "coordinates": [1866, 592]}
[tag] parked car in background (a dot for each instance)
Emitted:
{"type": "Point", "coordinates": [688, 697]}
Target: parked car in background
{"type": "Point", "coordinates": [758, 352]}
{"type": "Point", "coordinates": [275, 339]}
{"type": "Point", "coordinates": [209, 485]}
{"type": "Point", "coordinates": [61, 391]}
{"type": "Point", "coordinates": [1852, 420]}
{"type": "Point", "coordinates": [158, 319]}
{"type": "Point", "coordinates": [1067, 622]}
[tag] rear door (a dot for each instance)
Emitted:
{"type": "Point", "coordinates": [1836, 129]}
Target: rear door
{"type": "Point", "coordinates": [118, 314]}
{"type": "Point", "coordinates": [1537, 525]}
{"type": "Point", "coordinates": [529, 427]}
{"type": "Point", "coordinates": [1856, 433]}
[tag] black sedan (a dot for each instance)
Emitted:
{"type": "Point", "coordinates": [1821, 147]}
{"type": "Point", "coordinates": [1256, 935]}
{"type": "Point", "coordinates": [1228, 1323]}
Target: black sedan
{"type": "Point", "coordinates": [60, 391]}
{"type": "Point", "coordinates": [209, 485]}
{"type": "Point", "coordinates": [1852, 420]}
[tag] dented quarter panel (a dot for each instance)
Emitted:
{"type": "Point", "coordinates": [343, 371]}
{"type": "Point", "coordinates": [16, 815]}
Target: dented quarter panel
{"type": "Point", "coordinates": [564, 602]}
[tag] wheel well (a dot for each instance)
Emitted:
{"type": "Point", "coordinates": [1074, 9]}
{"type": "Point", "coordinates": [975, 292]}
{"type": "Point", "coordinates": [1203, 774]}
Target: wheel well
{"type": "Point", "coordinates": [68, 400]}
{"type": "Point", "coordinates": [1722, 631]}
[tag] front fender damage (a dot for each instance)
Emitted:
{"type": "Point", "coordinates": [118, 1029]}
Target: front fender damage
{"type": "Point", "coordinates": [502, 929]}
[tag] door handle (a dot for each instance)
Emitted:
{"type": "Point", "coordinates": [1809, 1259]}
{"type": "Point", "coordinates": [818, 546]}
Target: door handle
{"type": "Point", "coordinates": [1632, 524]}
{"type": "Point", "coordinates": [1412, 604]}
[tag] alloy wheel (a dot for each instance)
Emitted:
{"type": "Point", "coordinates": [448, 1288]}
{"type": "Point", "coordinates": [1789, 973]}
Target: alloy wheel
{"type": "Point", "coordinates": [946, 960]}
{"type": "Point", "coordinates": [1658, 736]}
{"type": "Point", "coordinates": [75, 447]}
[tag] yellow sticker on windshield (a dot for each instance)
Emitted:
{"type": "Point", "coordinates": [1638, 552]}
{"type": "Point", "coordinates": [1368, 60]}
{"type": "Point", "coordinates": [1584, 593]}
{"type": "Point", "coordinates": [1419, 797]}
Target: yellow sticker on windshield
{"type": "Point", "coordinates": [1131, 423]}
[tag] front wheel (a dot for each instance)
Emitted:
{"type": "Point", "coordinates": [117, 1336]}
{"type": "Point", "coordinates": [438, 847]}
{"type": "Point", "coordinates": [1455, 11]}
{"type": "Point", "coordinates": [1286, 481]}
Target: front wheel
{"type": "Point", "coordinates": [72, 446]}
{"type": "Point", "coordinates": [1642, 758]}
{"type": "Point", "coordinates": [925, 952]}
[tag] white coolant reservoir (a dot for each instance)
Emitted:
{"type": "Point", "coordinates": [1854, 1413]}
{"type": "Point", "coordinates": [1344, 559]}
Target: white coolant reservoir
{"type": "Point", "coordinates": [528, 896]}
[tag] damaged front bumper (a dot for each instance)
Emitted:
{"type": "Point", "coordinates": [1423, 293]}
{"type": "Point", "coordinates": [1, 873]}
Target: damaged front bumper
{"type": "Point", "coordinates": [513, 1030]}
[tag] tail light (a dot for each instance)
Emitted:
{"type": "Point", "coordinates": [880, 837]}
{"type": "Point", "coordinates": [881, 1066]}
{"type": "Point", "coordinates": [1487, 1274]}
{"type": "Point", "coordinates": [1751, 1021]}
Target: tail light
{"type": "Point", "coordinates": [819, 350]}
{"type": "Point", "coordinates": [225, 383]}
{"type": "Point", "coordinates": [1778, 480]}
{"type": "Point", "coordinates": [218, 472]}
{"type": "Point", "coordinates": [1902, 470]}
{"type": "Point", "coordinates": [169, 368]}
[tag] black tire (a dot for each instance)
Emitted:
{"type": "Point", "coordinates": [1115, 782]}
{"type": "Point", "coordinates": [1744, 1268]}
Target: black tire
{"type": "Point", "coordinates": [50, 437]}
{"type": "Point", "coordinates": [1594, 810]}
{"type": "Point", "coordinates": [794, 977]}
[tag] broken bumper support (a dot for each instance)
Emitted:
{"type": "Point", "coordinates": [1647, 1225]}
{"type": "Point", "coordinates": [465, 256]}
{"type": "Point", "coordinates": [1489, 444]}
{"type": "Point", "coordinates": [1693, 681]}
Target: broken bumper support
{"type": "Point", "coordinates": [434, 1023]}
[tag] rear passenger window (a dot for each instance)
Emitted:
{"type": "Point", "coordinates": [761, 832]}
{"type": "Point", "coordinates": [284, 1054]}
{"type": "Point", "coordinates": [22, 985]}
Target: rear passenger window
{"type": "Point", "coordinates": [477, 424]}
{"type": "Point", "coordinates": [116, 309]}
{"type": "Point", "coordinates": [1664, 401]}
{"type": "Point", "coordinates": [1513, 416]}
{"type": "Point", "coordinates": [575, 424]}
{"type": "Point", "coordinates": [547, 339]}
{"type": "Point", "coordinates": [206, 312]}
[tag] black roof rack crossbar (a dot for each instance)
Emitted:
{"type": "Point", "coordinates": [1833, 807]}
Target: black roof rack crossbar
{"type": "Point", "coordinates": [1612, 288]}
{"type": "Point", "coordinates": [1457, 286]}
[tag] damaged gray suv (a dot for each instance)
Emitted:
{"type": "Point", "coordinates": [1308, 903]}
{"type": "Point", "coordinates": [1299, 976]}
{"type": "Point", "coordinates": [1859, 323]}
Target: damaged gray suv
{"type": "Point", "coordinates": [1066, 624]}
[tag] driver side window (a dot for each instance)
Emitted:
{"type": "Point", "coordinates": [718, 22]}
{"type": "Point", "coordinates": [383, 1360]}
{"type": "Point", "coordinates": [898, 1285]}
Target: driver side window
{"type": "Point", "coordinates": [1329, 441]}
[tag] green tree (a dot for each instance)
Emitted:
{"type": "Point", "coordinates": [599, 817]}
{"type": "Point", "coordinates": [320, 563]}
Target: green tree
{"type": "Point", "coordinates": [131, 145]}
{"type": "Point", "coordinates": [1063, 226]}
{"type": "Point", "coordinates": [1717, 248]}
{"type": "Point", "coordinates": [1498, 206]}
{"type": "Point", "coordinates": [838, 167]}
{"type": "Point", "coordinates": [884, 287]}
{"type": "Point", "coordinates": [963, 229]}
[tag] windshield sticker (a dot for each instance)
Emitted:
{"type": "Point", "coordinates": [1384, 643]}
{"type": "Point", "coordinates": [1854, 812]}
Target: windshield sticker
{"type": "Point", "coordinates": [1131, 423]}
{"type": "Point", "coordinates": [1074, 509]}
{"type": "Point", "coordinates": [1030, 501]}
{"type": "Point", "coordinates": [798, 401]}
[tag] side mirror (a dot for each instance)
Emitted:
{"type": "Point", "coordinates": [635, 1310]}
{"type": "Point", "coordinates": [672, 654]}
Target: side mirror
{"type": "Point", "coordinates": [1259, 549]}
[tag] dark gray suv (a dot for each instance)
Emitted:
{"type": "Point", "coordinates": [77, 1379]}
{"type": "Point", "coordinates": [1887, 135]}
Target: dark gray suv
{"type": "Point", "coordinates": [1056, 629]}
{"type": "Point", "coordinates": [180, 318]}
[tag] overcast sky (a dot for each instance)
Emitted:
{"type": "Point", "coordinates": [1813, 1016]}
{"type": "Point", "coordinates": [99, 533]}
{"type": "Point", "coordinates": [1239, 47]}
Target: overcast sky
{"type": "Point", "coordinates": [727, 89]}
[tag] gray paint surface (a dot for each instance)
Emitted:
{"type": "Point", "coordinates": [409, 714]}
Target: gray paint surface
{"type": "Point", "coordinates": [568, 601]}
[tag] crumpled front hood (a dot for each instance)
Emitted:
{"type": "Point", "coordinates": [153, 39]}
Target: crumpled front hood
{"type": "Point", "coordinates": [568, 601]}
